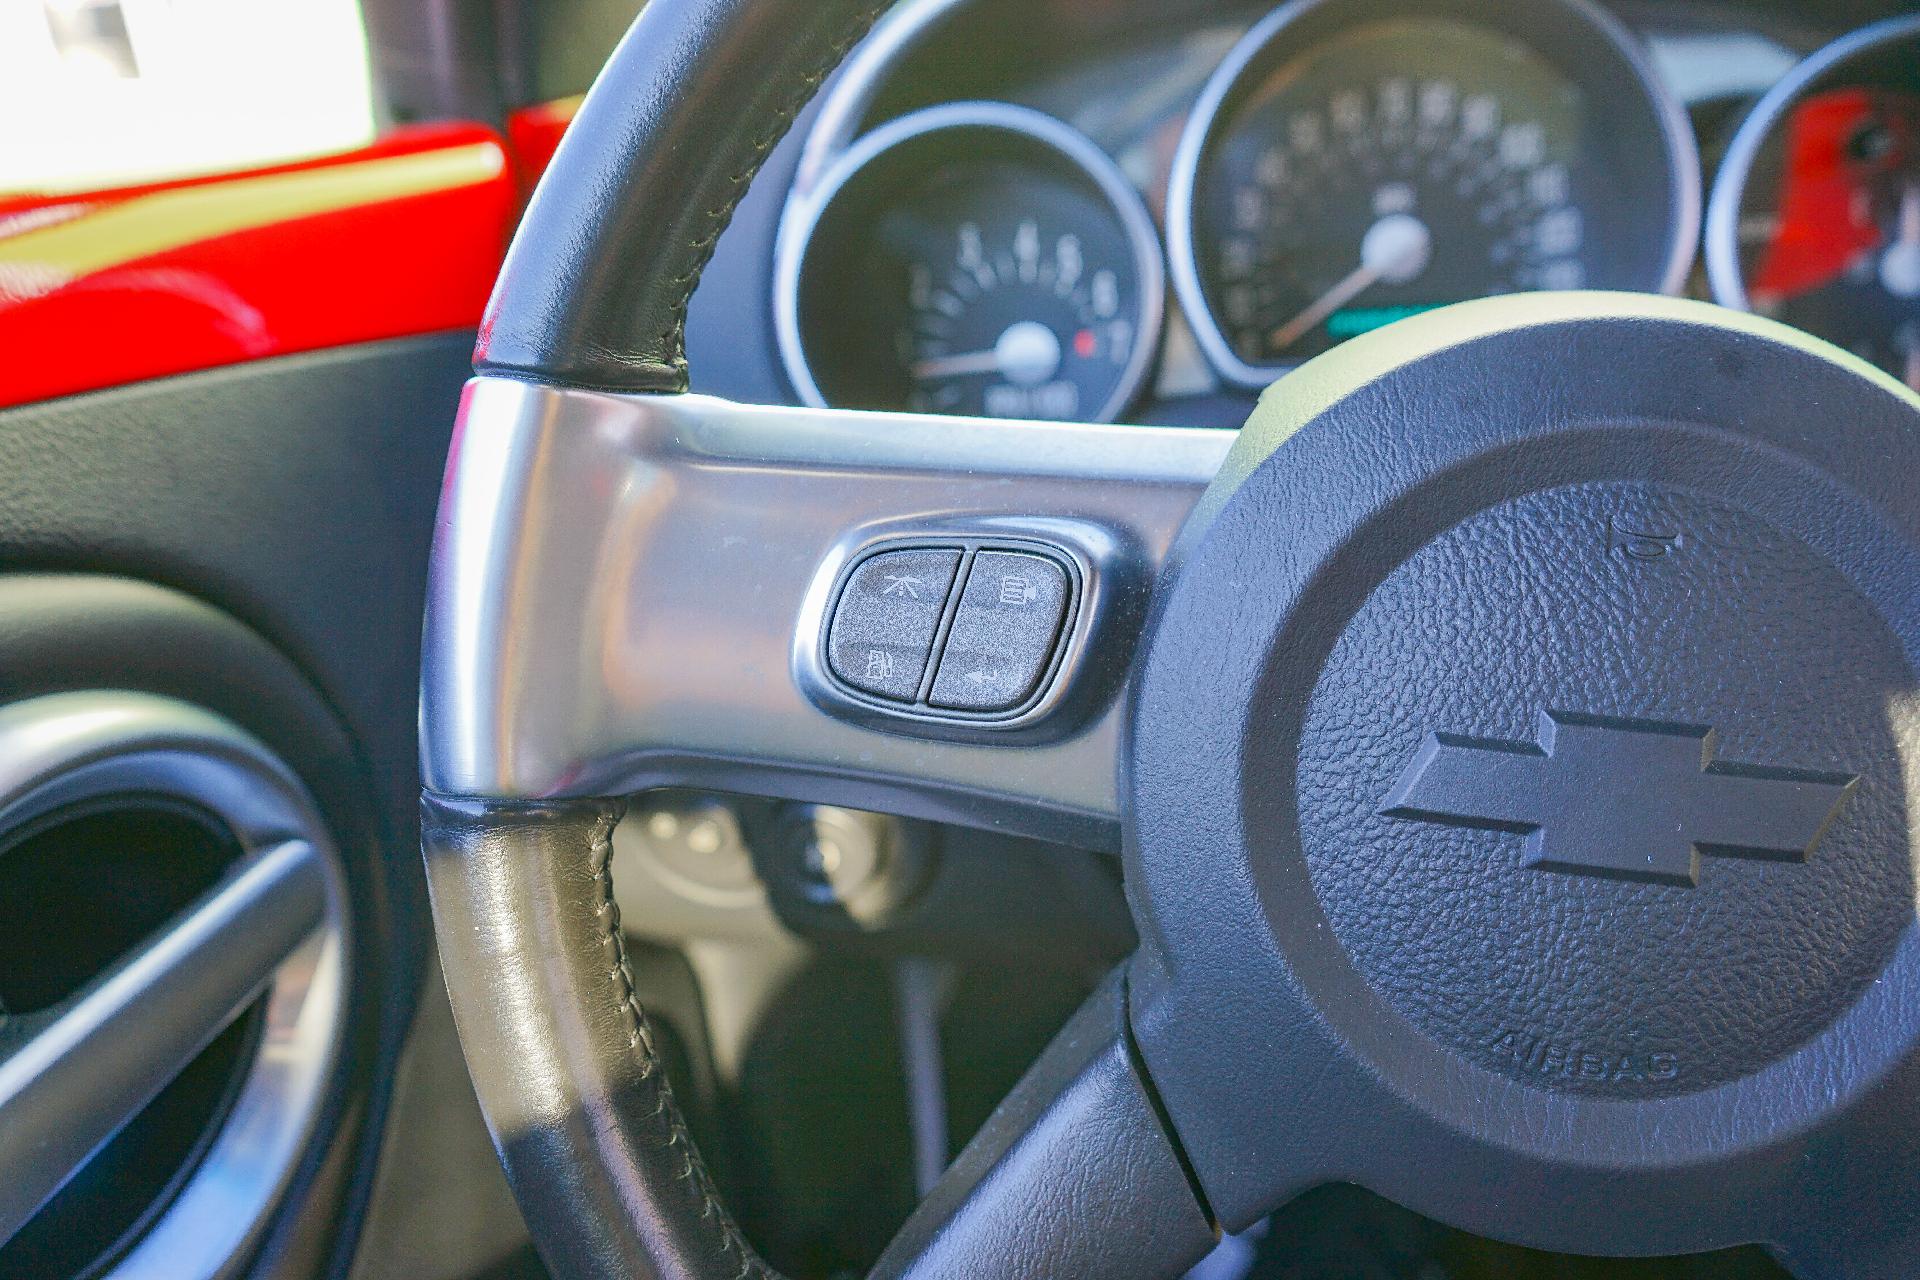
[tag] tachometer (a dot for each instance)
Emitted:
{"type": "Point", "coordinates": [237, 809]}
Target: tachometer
{"type": "Point", "coordinates": [1353, 163]}
{"type": "Point", "coordinates": [1815, 217]}
{"type": "Point", "coordinates": [977, 258]}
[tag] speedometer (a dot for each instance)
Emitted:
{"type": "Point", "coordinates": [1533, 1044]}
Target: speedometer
{"type": "Point", "coordinates": [1354, 163]}
{"type": "Point", "coordinates": [973, 258]}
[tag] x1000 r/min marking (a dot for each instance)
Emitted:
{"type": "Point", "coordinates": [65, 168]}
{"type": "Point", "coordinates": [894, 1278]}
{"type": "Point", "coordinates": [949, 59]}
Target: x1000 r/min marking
{"type": "Point", "coordinates": [1625, 799]}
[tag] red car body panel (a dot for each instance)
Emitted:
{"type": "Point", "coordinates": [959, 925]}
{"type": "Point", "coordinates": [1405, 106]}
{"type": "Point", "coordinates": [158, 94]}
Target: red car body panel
{"type": "Point", "coordinates": [534, 134]}
{"type": "Point", "coordinates": [103, 288]}
{"type": "Point", "coordinates": [1827, 222]}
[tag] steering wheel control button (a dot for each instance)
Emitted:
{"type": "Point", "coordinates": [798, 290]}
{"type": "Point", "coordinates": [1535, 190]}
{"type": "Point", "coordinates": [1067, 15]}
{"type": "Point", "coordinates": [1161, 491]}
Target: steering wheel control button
{"type": "Point", "coordinates": [1004, 634]}
{"type": "Point", "coordinates": [889, 613]}
{"type": "Point", "coordinates": [951, 632]}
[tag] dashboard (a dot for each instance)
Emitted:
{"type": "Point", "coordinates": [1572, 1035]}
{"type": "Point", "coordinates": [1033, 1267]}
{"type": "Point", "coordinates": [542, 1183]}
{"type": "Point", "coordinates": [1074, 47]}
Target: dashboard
{"type": "Point", "coordinates": [1132, 211]}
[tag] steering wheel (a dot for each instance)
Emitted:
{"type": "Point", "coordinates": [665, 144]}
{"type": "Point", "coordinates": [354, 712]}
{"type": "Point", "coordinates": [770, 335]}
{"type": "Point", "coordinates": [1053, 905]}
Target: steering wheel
{"type": "Point", "coordinates": [1510, 739]}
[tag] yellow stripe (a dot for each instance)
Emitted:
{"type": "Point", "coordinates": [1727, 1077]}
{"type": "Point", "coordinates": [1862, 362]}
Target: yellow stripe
{"type": "Point", "coordinates": [151, 224]}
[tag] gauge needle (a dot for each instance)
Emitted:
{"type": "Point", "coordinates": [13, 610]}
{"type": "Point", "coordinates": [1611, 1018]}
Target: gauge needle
{"type": "Point", "coordinates": [1397, 248]}
{"type": "Point", "coordinates": [1027, 354]}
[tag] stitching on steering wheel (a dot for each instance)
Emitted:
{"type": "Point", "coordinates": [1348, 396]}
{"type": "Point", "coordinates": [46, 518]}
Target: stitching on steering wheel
{"type": "Point", "coordinates": [607, 911]}
{"type": "Point", "coordinates": [728, 1240]}
{"type": "Point", "coordinates": [674, 340]}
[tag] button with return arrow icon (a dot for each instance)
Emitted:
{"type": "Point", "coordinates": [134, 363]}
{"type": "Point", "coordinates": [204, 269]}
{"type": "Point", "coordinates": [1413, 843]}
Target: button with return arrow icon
{"type": "Point", "coordinates": [1003, 636]}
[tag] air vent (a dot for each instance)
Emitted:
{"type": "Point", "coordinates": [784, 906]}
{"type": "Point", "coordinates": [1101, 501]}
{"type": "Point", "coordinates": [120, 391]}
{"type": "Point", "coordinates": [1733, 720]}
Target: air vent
{"type": "Point", "coordinates": [170, 934]}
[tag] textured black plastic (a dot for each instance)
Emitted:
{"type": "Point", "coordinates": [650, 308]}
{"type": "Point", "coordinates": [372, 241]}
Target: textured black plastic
{"type": "Point", "coordinates": [1574, 981]}
{"type": "Point", "coordinates": [1619, 798]}
{"type": "Point", "coordinates": [1071, 1176]}
{"type": "Point", "coordinates": [1397, 932]}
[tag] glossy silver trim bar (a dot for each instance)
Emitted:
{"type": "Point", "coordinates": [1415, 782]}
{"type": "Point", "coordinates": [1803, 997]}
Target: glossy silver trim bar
{"type": "Point", "coordinates": [618, 582]}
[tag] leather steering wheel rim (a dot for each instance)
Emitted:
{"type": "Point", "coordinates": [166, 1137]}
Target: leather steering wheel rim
{"type": "Point", "coordinates": [594, 290]}
{"type": "Point", "coordinates": [594, 293]}
{"type": "Point", "coordinates": [1267, 1036]}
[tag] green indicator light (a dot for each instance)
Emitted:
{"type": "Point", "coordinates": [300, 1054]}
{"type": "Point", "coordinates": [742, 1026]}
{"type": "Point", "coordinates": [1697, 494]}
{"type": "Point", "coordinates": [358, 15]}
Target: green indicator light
{"type": "Point", "coordinates": [1358, 320]}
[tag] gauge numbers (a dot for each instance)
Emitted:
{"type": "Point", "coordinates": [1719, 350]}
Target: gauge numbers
{"type": "Point", "coordinates": [1357, 162]}
{"type": "Point", "coordinates": [978, 259]}
{"type": "Point", "coordinates": [1344, 201]}
{"type": "Point", "coordinates": [1014, 324]}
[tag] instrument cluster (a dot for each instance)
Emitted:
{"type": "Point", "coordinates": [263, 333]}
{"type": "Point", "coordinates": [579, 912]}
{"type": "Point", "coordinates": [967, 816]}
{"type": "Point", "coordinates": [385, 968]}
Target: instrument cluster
{"type": "Point", "coordinates": [1013, 212]}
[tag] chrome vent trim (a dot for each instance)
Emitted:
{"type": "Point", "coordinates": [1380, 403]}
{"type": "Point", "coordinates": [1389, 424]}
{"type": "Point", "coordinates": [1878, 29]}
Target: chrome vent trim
{"type": "Point", "coordinates": [274, 927]}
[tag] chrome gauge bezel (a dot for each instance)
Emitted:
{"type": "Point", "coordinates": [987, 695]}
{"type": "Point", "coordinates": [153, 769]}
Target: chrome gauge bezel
{"type": "Point", "coordinates": [806, 206]}
{"type": "Point", "coordinates": [851, 92]}
{"type": "Point", "coordinates": [1722, 249]}
{"type": "Point", "coordinates": [1523, 20]}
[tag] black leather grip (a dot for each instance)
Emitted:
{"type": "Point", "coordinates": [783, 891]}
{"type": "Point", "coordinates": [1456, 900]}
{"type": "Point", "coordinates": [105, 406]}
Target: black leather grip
{"type": "Point", "coordinates": [594, 291]}
{"type": "Point", "coordinates": [1073, 1176]}
{"type": "Point", "coordinates": [560, 1049]}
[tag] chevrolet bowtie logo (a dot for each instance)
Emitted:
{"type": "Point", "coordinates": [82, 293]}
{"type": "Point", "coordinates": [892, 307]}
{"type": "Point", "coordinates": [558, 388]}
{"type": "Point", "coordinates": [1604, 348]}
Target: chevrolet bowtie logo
{"type": "Point", "coordinates": [1627, 799]}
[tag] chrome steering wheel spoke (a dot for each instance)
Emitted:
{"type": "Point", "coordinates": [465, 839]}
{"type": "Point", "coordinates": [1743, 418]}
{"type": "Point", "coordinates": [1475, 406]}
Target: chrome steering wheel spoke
{"type": "Point", "coordinates": [628, 593]}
